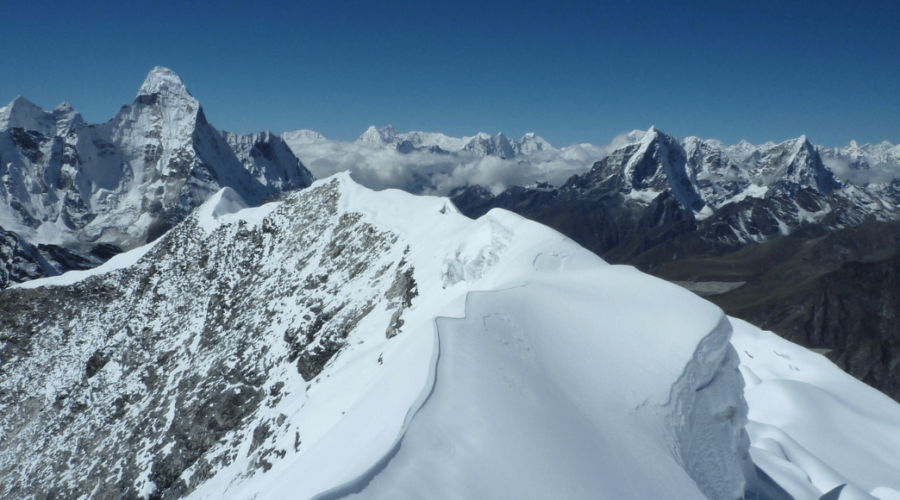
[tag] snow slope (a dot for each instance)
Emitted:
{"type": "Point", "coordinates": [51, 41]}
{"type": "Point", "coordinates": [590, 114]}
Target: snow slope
{"type": "Point", "coordinates": [539, 351]}
{"type": "Point", "coordinates": [497, 341]}
{"type": "Point", "coordinates": [812, 426]}
{"type": "Point", "coordinates": [350, 343]}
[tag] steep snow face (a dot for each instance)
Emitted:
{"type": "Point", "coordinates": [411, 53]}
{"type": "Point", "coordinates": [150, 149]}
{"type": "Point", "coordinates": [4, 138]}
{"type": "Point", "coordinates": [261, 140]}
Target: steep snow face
{"type": "Point", "coordinates": [643, 169]}
{"type": "Point", "coordinates": [492, 145]}
{"type": "Point", "coordinates": [793, 165]}
{"type": "Point", "coordinates": [129, 180]}
{"type": "Point", "coordinates": [166, 83]}
{"type": "Point", "coordinates": [531, 143]}
{"type": "Point", "coordinates": [379, 137]}
{"type": "Point", "coordinates": [349, 341]}
{"type": "Point", "coordinates": [719, 178]}
{"type": "Point", "coordinates": [709, 411]}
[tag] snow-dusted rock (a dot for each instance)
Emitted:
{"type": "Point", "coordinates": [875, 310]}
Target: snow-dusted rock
{"type": "Point", "coordinates": [127, 181]}
{"type": "Point", "coordinates": [314, 347]}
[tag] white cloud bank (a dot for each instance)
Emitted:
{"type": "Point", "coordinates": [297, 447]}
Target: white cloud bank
{"type": "Point", "coordinates": [427, 167]}
{"type": "Point", "coordinates": [425, 172]}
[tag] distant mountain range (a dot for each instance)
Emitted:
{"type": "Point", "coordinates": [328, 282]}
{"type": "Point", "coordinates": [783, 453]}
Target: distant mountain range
{"type": "Point", "coordinates": [766, 232]}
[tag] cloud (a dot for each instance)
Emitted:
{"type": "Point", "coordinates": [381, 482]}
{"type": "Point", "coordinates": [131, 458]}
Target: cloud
{"type": "Point", "coordinates": [876, 174]}
{"type": "Point", "coordinates": [438, 174]}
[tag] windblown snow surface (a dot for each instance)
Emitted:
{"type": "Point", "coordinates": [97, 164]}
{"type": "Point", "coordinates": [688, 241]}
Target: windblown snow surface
{"type": "Point", "coordinates": [812, 426]}
{"type": "Point", "coordinates": [519, 366]}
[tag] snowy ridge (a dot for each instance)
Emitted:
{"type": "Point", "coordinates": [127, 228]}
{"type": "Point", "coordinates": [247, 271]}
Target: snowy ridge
{"type": "Point", "coordinates": [223, 362]}
{"type": "Point", "coordinates": [344, 347]}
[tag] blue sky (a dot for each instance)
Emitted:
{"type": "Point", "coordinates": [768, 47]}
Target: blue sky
{"type": "Point", "coordinates": [569, 71]}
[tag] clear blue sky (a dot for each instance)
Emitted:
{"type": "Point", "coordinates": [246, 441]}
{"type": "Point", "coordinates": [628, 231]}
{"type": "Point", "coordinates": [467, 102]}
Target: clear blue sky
{"type": "Point", "coordinates": [570, 71]}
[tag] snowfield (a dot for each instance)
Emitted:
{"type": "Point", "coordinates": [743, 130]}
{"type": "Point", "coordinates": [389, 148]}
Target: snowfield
{"type": "Point", "coordinates": [812, 426]}
{"type": "Point", "coordinates": [503, 361]}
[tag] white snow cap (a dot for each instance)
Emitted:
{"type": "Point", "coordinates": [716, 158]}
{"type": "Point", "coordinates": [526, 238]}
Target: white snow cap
{"type": "Point", "coordinates": [21, 113]}
{"type": "Point", "coordinates": [163, 80]}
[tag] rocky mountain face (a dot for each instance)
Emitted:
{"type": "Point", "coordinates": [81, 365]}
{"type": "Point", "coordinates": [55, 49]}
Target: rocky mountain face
{"type": "Point", "coordinates": [89, 191]}
{"type": "Point", "coordinates": [153, 375]}
{"type": "Point", "coordinates": [656, 203]}
{"type": "Point", "coordinates": [725, 196]}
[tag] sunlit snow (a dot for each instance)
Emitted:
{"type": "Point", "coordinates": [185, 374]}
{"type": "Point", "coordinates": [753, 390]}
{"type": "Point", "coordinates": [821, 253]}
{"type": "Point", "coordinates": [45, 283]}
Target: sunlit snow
{"type": "Point", "coordinates": [527, 367]}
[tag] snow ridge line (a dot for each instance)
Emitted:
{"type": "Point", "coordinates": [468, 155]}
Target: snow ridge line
{"type": "Point", "coordinates": [356, 486]}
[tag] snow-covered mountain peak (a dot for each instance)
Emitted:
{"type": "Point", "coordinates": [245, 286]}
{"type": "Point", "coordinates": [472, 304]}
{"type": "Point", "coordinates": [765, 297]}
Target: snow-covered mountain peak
{"type": "Point", "coordinates": [125, 182]}
{"type": "Point", "coordinates": [531, 143]}
{"type": "Point", "coordinates": [225, 202]}
{"type": "Point", "coordinates": [19, 105]}
{"type": "Point", "coordinates": [653, 135]}
{"type": "Point", "coordinates": [303, 136]}
{"type": "Point", "coordinates": [379, 137]}
{"type": "Point", "coordinates": [692, 141]}
{"type": "Point", "coordinates": [164, 81]}
{"type": "Point", "coordinates": [22, 113]}
{"type": "Point", "coordinates": [802, 142]}
{"type": "Point", "coordinates": [66, 118]}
